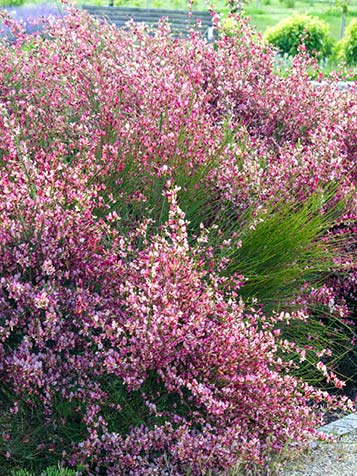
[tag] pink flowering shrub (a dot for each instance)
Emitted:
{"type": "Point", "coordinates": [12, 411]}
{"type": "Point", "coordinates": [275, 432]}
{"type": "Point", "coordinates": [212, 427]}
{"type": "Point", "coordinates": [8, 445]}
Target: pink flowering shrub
{"type": "Point", "coordinates": [121, 318]}
{"type": "Point", "coordinates": [75, 313]}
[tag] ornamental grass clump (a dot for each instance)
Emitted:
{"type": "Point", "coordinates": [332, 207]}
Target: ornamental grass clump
{"type": "Point", "coordinates": [136, 173]}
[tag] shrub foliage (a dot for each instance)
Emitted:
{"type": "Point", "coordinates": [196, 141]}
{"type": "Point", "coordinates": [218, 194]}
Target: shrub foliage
{"type": "Point", "coordinates": [291, 32]}
{"type": "Point", "coordinates": [134, 167]}
{"type": "Point", "coordinates": [347, 47]}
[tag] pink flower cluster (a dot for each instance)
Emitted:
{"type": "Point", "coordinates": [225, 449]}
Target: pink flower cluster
{"type": "Point", "coordinates": [88, 109]}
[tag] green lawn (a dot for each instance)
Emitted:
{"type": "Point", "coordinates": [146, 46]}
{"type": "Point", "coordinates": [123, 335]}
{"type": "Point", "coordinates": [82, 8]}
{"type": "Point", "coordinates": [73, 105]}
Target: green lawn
{"type": "Point", "coordinates": [263, 16]}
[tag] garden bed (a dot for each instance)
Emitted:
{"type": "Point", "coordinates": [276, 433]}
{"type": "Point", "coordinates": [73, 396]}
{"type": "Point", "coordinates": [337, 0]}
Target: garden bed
{"type": "Point", "coordinates": [177, 253]}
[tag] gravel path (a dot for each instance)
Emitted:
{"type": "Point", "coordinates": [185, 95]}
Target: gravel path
{"type": "Point", "coordinates": [338, 458]}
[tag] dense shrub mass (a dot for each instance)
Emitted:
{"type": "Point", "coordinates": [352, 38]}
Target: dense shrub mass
{"type": "Point", "coordinates": [347, 47]}
{"type": "Point", "coordinates": [290, 32]}
{"type": "Point", "coordinates": [136, 172]}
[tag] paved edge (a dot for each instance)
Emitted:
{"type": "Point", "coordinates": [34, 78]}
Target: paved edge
{"type": "Point", "coordinates": [341, 427]}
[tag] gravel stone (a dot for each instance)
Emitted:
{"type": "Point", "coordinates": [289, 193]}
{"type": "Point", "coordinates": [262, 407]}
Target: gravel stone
{"type": "Point", "coordinates": [337, 458]}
